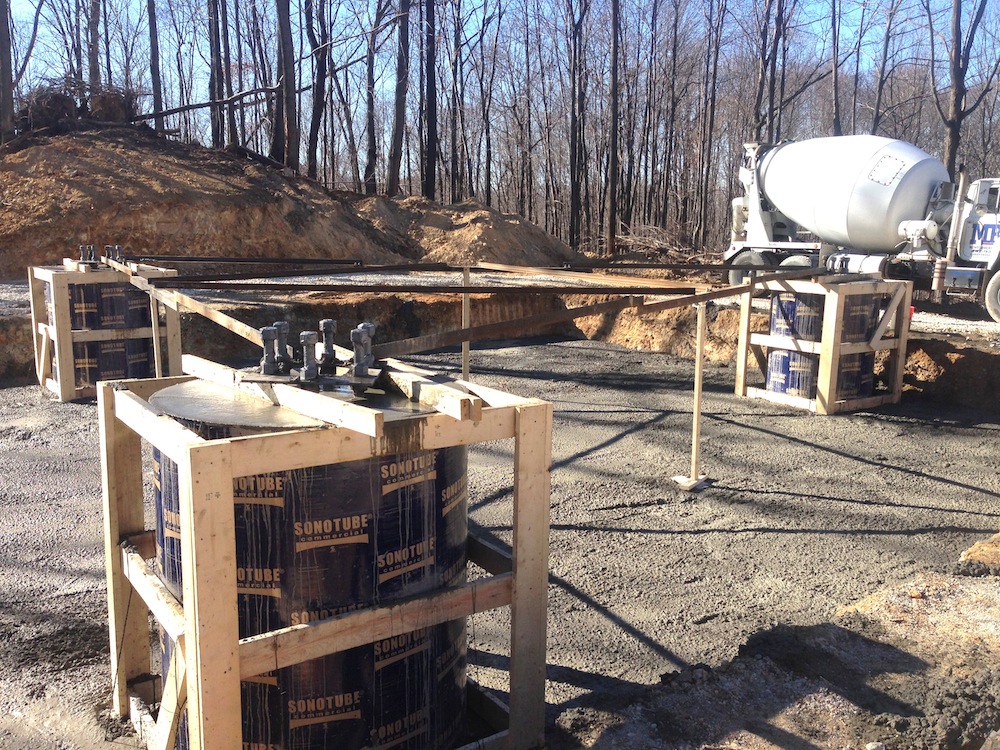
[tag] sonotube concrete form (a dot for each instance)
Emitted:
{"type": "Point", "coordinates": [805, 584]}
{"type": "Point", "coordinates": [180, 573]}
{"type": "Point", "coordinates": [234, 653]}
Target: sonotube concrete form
{"type": "Point", "coordinates": [210, 658]}
{"type": "Point", "coordinates": [89, 323]}
{"type": "Point", "coordinates": [837, 327]}
{"type": "Point", "coordinates": [316, 542]}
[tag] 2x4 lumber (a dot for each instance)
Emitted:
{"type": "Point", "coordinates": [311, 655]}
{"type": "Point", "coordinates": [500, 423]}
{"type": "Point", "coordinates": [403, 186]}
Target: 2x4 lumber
{"type": "Point", "coordinates": [746, 309]}
{"type": "Point", "coordinates": [299, 643]}
{"type": "Point", "coordinates": [816, 347]}
{"type": "Point", "coordinates": [532, 466]}
{"type": "Point", "coordinates": [219, 318]}
{"type": "Point", "coordinates": [282, 451]}
{"type": "Point", "coordinates": [121, 474]}
{"type": "Point", "coordinates": [172, 438]}
{"type": "Point", "coordinates": [112, 334]}
{"type": "Point", "coordinates": [832, 340]}
{"type": "Point", "coordinates": [208, 563]}
{"type": "Point", "coordinates": [782, 398]}
{"type": "Point", "coordinates": [321, 406]}
{"type": "Point", "coordinates": [788, 343]}
{"type": "Point", "coordinates": [493, 330]}
{"type": "Point", "coordinates": [622, 279]}
{"type": "Point", "coordinates": [499, 741]}
{"type": "Point", "coordinates": [40, 328]}
{"type": "Point", "coordinates": [487, 707]}
{"type": "Point", "coordinates": [891, 310]}
{"type": "Point", "coordinates": [172, 701]}
{"type": "Point", "coordinates": [897, 368]}
{"type": "Point", "coordinates": [488, 552]}
{"type": "Point", "coordinates": [63, 339]}
{"type": "Point", "coordinates": [729, 291]}
{"type": "Point", "coordinates": [161, 603]}
{"type": "Point", "coordinates": [440, 396]}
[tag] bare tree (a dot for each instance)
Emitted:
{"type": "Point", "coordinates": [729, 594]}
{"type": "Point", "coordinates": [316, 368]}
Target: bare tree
{"type": "Point", "coordinates": [6, 73]}
{"type": "Point", "coordinates": [286, 63]}
{"type": "Point", "coordinates": [154, 65]}
{"type": "Point", "coordinates": [952, 105]}
{"type": "Point", "coordinates": [399, 99]}
{"type": "Point", "coordinates": [430, 100]}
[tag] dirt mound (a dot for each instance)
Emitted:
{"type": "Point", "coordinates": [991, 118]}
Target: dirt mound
{"type": "Point", "coordinates": [464, 233]}
{"type": "Point", "coordinates": [127, 186]}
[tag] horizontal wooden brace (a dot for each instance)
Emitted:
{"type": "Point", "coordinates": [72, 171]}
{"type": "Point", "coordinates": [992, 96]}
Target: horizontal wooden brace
{"type": "Point", "coordinates": [172, 438]}
{"type": "Point", "coordinates": [324, 407]}
{"type": "Point", "coordinates": [282, 451]}
{"type": "Point", "coordinates": [299, 643]}
{"type": "Point", "coordinates": [493, 330]}
{"type": "Point", "coordinates": [442, 397]}
{"type": "Point", "coordinates": [161, 603]}
{"type": "Point", "coordinates": [816, 347]}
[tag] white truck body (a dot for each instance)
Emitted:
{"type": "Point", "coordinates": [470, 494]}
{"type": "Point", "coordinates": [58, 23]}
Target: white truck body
{"type": "Point", "coordinates": [872, 205]}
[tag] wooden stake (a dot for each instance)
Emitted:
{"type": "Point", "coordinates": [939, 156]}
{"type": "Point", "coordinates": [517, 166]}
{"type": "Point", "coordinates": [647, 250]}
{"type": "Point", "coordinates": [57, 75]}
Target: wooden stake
{"type": "Point", "coordinates": [466, 322]}
{"type": "Point", "coordinates": [696, 481]}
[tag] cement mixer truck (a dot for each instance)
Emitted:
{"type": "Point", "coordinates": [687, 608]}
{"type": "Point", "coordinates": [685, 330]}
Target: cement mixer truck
{"type": "Point", "coordinates": [866, 204]}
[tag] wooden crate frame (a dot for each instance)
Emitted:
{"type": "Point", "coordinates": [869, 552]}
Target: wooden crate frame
{"type": "Point", "coordinates": [55, 339]}
{"type": "Point", "coordinates": [209, 658]}
{"type": "Point", "coordinates": [890, 335]}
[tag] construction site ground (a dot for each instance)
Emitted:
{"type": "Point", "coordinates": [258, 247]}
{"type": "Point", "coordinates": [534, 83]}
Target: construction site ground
{"type": "Point", "coordinates": [812, 596]}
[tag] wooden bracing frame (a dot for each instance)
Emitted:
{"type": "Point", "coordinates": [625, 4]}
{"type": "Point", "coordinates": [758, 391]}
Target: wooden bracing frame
{"type": "Point", "coordinates": [890, 335]}
{"type": "Point", "coordinates": [210, 658]}
{"type": "Point", "coordinates": [54, 339]}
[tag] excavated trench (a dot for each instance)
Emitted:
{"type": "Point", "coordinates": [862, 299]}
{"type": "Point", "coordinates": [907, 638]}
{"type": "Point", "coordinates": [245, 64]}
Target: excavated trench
{"type": "Point", "coordinates": [963, 370]}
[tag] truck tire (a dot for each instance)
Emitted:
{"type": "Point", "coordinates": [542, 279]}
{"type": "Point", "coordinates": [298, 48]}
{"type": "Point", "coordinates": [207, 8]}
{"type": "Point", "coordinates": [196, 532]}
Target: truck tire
{"type": "Point", "coordinates": [749, 258]}
{"type": "Point", "coordinates": [797, 261]}
{"type": "Point", "coordinates": [991, 297]}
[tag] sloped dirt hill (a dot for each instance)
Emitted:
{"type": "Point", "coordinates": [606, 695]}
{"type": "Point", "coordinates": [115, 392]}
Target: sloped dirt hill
{"type": "Point", "coordinates": [129, 187]}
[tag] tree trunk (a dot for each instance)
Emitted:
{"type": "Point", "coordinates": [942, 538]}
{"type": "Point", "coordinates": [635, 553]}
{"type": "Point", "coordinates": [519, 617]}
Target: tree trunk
{"type": "Point", "coordinates": [154, 65]}
{"type": "Point", "coordinates": [371, 146]}
{"type": "Point", "coordinates": [613, 163]}
{"type": "Point", "coordinates": [232, 136]}
{"type": "Point", "coordinates": [286, 61]}
{"type": "Point", "coordinates": [6, 74]}
{"type": "Point", "coordinates": [837, 127]}
{"type": "Point", "coordinates": [399, 101]}
{"type": "Point", "coordinates": [430, 82]}
{"type": "Point", "coordinates": [215, 90]}
{"type": "Point", "coordinates": [320, 55]}
{"type": "Point", "coordinates": [93, 47]}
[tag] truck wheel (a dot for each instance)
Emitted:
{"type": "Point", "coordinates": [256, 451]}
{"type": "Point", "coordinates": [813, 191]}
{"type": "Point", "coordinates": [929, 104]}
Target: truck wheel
{"type": "Point", "coordinates": [749, 258]}
{"type": "Point", "coordinates": [991, 299]}
{"type": "Point", "coordinates": [797, 261]}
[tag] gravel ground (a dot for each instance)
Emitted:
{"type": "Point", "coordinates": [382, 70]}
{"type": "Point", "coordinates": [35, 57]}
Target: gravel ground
{"type": "Point", "coordinates": [804, 515]}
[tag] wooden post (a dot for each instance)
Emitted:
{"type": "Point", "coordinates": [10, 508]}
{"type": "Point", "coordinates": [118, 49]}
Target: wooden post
{"type": "Point", "coordinates": [121, 470]}
{"type": "Point", "coordinates": [696, 480]}
{"type": "Point", "coordinates": [829, 358]}
{"type": "Point", "coordinates": [208, 563]}
{"type": "Point", "coordinates": [466, 322]}
{"type": "Point", "coordinates": [743, 350]}
{"type": "Point", "coordinates": [154, 312]}
{"type": "Point", "coordinates": [63, 340]}
{"type": "Point", "coordinates": [532, 467]}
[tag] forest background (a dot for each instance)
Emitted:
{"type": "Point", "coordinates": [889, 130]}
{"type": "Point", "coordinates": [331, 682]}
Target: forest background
{"type": "Point", "coordinates": [610, 123]}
